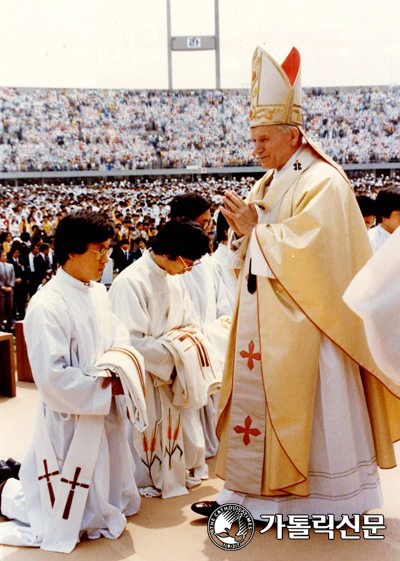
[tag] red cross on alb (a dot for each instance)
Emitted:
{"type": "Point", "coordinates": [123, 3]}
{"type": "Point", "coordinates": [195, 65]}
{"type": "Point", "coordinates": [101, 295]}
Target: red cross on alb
{"type": "Point", "coordinates": [255, 356]}
{"type": "Point", "coordinates": [246, 430]}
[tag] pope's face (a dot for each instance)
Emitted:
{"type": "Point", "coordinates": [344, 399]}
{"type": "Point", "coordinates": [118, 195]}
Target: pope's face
{"type": "Point", "coordinates": [272, 146]}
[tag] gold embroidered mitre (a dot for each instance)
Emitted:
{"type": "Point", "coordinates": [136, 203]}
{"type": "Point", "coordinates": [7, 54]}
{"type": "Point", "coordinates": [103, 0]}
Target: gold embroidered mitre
{"type": "Point", "coordinates": [275, 90]}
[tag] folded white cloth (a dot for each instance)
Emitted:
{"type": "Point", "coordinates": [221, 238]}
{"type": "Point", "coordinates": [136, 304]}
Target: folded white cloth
{"type": "Point", "coordinates": [197, 366]}
{"type": "Point", "coordinates": [217, 332]}
{"type": "Point", "coordinates": [128, 365]}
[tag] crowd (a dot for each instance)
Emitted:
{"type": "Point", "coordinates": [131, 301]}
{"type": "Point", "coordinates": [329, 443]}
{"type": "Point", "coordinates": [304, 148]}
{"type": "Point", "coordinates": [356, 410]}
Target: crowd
{"type": "Point", "coordinates": [132, 396]}
{"type": "Point", "coordinates": [80, 130]}
{"type": "Point", "coordinates": [29, 217]}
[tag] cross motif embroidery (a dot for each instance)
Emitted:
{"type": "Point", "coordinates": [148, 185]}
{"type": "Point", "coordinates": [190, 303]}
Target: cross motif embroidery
{"type": "Point", "coordinates": [250, 355]}
{"type": "Point", "coordinates": [297, 165]}
{"type": "Point", "coordinates": [190, 335]}
{"type": "Point", "coordinates": [246, 430]}
{"type": "Point", "coordinates": [47, 476]}
{"type": "Point", "coordinates": [73, 484]}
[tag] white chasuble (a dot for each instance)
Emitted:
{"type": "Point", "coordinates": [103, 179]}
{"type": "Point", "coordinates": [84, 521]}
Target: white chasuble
{"type": "Point", "coordinates": [198, 373]}
{"type": "Point", "coordinates": [340, 475]}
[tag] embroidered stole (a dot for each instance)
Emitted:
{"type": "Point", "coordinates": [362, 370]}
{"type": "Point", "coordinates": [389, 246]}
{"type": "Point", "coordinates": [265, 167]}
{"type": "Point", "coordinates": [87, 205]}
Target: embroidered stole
{"type": "Point", "coordinates": [248, 423]}
{"type": "Point", "coordinates": [63, 495]}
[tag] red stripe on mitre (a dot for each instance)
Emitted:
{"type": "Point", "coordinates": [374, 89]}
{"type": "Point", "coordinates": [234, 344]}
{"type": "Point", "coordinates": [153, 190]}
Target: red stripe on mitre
{"type": "Point", "coordinates": [291, 65]}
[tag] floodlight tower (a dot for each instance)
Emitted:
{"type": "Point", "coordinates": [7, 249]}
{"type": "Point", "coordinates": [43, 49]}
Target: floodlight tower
{"type": "Point", "coordinates": [199, 43]}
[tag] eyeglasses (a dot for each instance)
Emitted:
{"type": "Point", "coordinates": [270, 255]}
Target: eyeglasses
{"type": "Point", "coordinates": [188, 267]}
{"type": "Point", "coordinates": [103, 252]}
{"type": "Point", "coordinates": [206, 224]}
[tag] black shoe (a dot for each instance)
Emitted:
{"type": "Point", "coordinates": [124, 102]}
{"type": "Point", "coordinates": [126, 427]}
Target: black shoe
{"type": "Point", "coordinates": [205, 508]}
{"type": "Point", "coordinates": [14, 466]}
{"type": "Point", "coordinates": [5, 471]}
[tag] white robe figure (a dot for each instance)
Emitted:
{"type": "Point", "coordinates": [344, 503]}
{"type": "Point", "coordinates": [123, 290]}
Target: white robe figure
{"type": "Point", "coordinates": [378, 236]}
{"type": "Point", "coordinates": [68, 327]}
{"type": "Point", "coordinates": [150, 302]}
{"type": "Point", "coordinates": [374, 295]}
{"type": "Point", "coordinates": [107, 276]}
{"type": "Point", "coordinates": [207, 291]}
{"type": "Point", "coordinates": [220, 260]}
{"type": "Point", "coordinates": [342, 467]}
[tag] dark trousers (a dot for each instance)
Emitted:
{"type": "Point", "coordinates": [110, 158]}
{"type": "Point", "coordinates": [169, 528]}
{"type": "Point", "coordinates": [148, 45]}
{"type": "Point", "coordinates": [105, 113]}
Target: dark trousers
{"type": "Point", "coordinates": [6, 308]}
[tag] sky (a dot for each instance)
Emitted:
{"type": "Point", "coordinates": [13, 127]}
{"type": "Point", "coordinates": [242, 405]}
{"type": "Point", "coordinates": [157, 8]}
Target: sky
{"type": "Point", "coordinates": [123, 43]}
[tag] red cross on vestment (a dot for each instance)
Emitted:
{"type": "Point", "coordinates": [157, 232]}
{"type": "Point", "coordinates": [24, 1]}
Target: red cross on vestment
{"type": "Point", "coordinates": [47, 476]}
{"type": "Point", "coordinates": [73, 484]}
{"type": "Point", "coordinates": [246, 430]}
{"type": "Point", "coordinates": [255, 356]}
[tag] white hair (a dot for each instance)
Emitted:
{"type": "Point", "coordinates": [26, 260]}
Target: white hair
{"type": "Point", "coordinates": [286, 128]}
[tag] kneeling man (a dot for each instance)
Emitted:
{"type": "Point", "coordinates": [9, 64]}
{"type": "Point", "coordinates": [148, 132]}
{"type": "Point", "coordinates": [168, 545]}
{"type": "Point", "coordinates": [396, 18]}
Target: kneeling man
{"type": "Point", "coordinates": [78, 475]}
{"type": "Point", "coordinates": [182, 367]}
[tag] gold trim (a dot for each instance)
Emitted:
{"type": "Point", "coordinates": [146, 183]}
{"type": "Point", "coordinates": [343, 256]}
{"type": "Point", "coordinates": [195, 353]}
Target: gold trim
{"type": "Point", "coordinates": [284, 113]}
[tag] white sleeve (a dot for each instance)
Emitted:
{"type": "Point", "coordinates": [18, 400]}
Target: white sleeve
{"type": "Point", "coordinates": [221, 300]}
{"type": "Point", "coordinates": [130, 307]}
{"type": "Point", "coordinates": [374, 295]}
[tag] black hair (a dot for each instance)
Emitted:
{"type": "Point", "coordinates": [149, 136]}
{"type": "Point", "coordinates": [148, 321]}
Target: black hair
{"type": "Point", "coordinates": [183, 237]}
{"type": "Point", "coordinates": [387, 200]}
{"type": "Point", "coordinates": [35, 239]}
{"type": "Point", "coordinates": [367, 205]}
{"type": "Point", "coordinates": [222, 227]}
{"type": "Point", "coordinates": [191, 205]}
{"type": "Point", "coordinates": [3, 236]}
{"type": "Point", "coordinates": [75, 231]}
{"type": "Point", "coordinates": [16, 246]}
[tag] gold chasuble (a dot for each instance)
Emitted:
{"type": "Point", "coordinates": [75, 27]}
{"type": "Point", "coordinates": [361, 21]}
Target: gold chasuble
{"type": "Point", "coordinates": [313, 243]}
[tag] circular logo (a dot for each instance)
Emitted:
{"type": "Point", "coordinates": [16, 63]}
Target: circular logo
{"type": "Point", "coordinates": [230, 526]}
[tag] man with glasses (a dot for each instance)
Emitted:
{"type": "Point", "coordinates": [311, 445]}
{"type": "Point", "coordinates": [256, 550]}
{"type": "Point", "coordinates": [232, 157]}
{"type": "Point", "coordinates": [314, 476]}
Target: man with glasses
{"type": "Point", "coordinates": [150, 298]}
{"type": "Point", "coordinates": [80, 419]}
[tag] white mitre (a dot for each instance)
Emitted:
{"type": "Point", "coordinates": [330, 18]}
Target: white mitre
{"type": "Point", "coordinates": [275, 90]}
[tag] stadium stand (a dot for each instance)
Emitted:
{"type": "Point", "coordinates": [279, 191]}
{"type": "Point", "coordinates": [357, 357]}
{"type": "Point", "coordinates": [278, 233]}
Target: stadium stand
{"type": "Point", "coordinates": [54, 130]}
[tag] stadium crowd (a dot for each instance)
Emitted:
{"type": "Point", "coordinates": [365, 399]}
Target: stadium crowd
{"type": "Point", "coordinates": [72, 130]}
{"type": "Point", "coordinates": [29, 217]}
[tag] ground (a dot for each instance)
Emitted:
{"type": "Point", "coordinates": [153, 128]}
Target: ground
{"type": "Point", "coordinates": [167, 530]}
